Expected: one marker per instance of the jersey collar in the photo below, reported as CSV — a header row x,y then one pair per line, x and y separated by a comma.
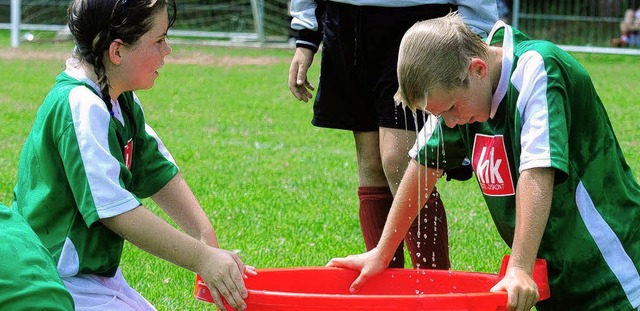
x,y
75,70
507,62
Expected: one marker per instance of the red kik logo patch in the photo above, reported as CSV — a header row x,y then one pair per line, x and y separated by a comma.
x,y
492,166
128,153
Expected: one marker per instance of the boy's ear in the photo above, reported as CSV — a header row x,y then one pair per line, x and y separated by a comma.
x,y
478,68
116,51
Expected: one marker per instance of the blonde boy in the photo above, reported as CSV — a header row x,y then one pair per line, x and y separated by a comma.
x,y
545,155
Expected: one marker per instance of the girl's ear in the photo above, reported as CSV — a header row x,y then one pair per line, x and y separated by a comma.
x,y
116,51
478,68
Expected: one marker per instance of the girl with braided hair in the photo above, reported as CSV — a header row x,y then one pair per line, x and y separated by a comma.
x,y
90,158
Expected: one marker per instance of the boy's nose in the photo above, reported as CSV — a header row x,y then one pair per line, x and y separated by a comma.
x,y
450,121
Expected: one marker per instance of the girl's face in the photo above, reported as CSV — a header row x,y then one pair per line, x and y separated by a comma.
x,y
141,61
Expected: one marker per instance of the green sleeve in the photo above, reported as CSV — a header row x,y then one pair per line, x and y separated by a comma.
x,y
445,148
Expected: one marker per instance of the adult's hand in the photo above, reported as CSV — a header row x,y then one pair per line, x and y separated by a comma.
x,y
298,82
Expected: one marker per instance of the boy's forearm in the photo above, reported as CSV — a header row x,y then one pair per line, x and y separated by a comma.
x,y
533,204
414,189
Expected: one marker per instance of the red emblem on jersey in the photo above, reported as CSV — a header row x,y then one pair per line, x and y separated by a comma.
x,y
491,165
128,153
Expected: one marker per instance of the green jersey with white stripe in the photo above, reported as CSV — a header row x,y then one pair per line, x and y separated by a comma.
x,y
81,163
546,114
28,277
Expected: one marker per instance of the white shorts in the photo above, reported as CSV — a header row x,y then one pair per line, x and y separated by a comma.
x,y
93,292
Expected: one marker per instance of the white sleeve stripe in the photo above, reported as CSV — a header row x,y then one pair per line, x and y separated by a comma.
x,y
161,147
307,43
530,79
424,135
117,208
91,123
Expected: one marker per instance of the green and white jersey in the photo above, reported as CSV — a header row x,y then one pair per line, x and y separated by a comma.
x,y
546,113
80,164
28,277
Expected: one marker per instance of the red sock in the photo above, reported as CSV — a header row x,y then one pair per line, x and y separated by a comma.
x,y
375,203
430,250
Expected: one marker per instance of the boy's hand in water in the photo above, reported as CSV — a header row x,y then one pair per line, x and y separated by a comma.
x,y
369,264
522,290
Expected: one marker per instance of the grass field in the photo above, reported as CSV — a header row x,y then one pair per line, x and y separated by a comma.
x,y
279,191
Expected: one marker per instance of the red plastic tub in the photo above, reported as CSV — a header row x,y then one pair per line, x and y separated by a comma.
x,y
324,289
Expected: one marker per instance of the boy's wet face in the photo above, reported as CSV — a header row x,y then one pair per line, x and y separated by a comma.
x,y
460,106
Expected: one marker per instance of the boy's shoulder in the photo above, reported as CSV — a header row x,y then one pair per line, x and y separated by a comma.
x,y
541,46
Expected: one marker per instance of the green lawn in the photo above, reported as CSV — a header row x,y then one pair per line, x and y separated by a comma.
x,y
279,191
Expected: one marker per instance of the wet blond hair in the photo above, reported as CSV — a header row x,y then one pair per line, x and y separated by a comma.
x,y
435,54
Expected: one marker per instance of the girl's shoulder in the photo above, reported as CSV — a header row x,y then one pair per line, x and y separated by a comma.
x,y
74,98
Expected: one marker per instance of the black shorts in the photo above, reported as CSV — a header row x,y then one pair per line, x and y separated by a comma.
x,y
358,69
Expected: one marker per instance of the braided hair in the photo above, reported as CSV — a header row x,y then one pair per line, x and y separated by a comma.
x,y
94,24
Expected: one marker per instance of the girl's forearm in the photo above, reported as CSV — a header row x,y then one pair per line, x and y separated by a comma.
x,y
152,234
178,201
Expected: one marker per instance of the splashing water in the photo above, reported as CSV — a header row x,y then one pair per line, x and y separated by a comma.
x,y
440,158
415,121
